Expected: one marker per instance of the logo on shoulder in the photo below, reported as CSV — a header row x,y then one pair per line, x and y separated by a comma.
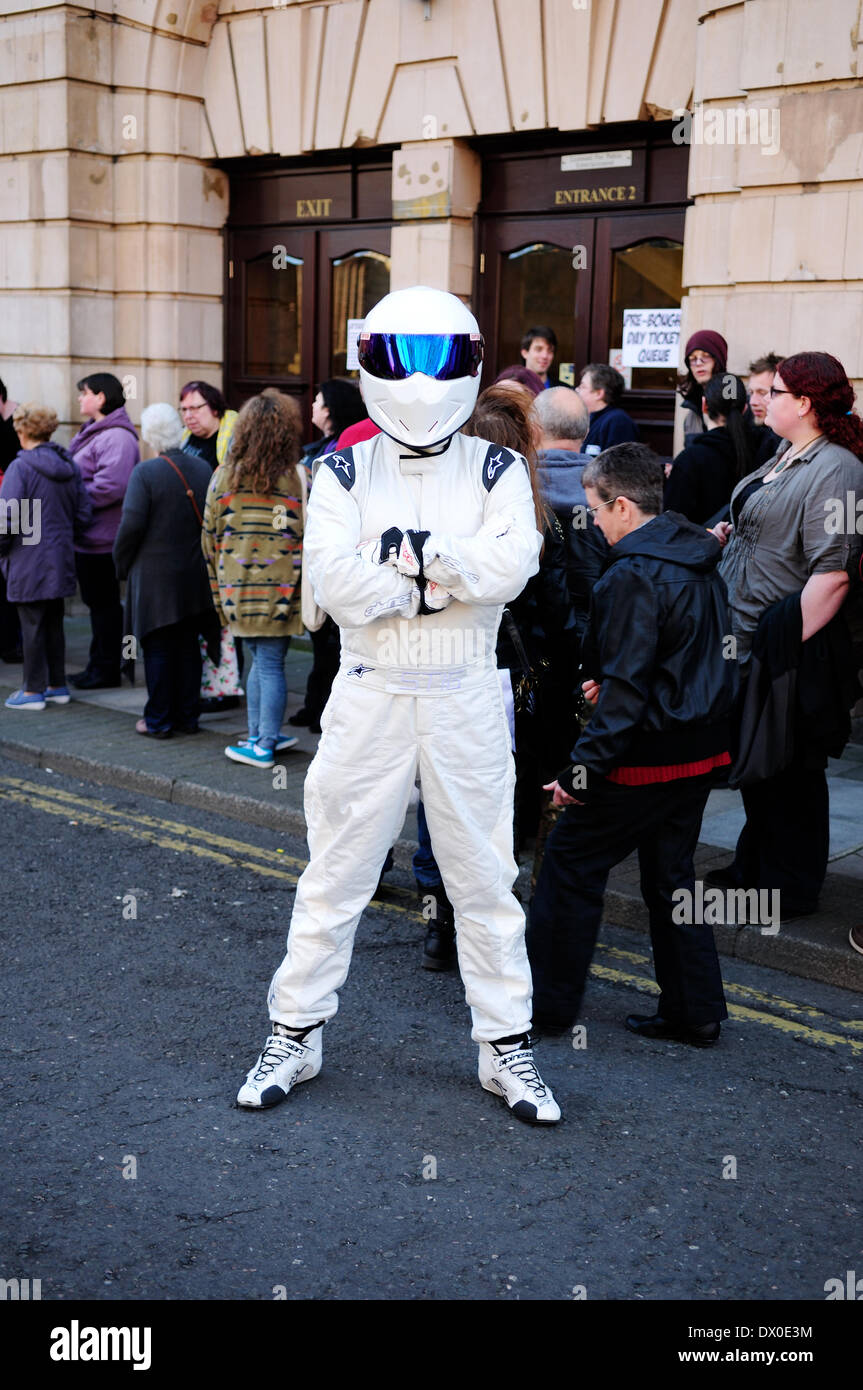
x,y
342,464
497,461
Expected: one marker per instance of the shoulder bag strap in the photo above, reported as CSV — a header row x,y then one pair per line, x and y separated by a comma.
x,y
189,493
515,636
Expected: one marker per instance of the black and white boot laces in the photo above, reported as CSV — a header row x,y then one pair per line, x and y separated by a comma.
x,y
522,1065
274,1054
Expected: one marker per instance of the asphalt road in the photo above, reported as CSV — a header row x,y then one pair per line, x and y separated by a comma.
x,y
139,940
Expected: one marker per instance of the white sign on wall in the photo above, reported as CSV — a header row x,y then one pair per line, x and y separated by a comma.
x,y
598,159
651,337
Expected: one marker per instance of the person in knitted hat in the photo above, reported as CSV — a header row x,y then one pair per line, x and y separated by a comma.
x,y
706,355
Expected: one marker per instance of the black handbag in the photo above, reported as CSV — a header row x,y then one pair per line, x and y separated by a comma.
x,y
527,682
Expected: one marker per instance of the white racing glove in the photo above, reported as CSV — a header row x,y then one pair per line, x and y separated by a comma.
x,y
384,551
404,550
434,598
410,558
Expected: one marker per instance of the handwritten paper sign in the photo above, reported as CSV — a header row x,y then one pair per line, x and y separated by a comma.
x,y
651,337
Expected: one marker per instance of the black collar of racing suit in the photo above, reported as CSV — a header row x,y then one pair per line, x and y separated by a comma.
x,y
421,453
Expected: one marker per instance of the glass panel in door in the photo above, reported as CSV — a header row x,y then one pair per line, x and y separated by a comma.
x,y
273,315
648,275
537,287
359,281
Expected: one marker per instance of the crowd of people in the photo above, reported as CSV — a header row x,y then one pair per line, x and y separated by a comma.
x,y
691,622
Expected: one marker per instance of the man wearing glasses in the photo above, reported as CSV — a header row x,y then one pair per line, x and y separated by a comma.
x,y
662,698
761,374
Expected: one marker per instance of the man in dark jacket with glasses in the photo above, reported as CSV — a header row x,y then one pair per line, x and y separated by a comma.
x,y
663,693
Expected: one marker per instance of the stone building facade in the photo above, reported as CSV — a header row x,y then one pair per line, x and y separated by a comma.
x,y
133,131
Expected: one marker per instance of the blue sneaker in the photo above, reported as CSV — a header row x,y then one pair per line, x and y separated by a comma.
x,y
251,754
21,700
283,742
57,695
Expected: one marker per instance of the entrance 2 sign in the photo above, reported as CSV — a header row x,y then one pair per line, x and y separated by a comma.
x,y
651,337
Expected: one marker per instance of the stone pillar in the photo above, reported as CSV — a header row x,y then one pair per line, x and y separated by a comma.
x,y
773,254
436,191
110,219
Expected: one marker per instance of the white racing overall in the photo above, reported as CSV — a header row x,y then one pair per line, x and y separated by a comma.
x,y
416,698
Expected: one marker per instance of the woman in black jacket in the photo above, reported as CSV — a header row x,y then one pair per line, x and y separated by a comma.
x,y
158,551
706,472
538,630
337,406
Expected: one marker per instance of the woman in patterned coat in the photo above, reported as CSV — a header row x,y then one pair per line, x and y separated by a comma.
x,y
252,541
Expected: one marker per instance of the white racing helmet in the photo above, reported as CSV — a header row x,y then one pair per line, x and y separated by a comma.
x,y
420,353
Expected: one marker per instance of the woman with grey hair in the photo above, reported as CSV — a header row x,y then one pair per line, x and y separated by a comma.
x,y
158,552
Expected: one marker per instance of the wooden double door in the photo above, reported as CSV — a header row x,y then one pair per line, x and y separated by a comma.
x,y
576,274
292,291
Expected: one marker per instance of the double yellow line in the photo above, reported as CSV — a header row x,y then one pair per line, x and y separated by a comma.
x,y
169,834
800,1021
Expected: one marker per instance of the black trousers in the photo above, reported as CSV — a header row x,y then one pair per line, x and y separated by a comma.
x,y
43,644
662,822
785,842
100,590
326,647
10,626
172,666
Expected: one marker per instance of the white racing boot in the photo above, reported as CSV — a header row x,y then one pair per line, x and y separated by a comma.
x,y
508,1070
284,1062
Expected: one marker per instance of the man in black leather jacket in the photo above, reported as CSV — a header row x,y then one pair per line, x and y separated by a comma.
x,y
663,693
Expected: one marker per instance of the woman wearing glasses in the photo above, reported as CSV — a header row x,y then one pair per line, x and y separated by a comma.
x,y
208,424
791,558
706,356
208,428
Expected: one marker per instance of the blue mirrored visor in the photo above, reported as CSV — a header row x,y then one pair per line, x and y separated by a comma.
x,y
444,356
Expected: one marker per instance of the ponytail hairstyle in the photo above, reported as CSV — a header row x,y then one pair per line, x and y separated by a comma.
x,y
823,379
726,399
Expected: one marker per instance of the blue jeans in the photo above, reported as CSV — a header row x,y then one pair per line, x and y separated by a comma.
x,y
426,871
266,688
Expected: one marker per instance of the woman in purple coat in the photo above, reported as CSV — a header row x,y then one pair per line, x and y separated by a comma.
x,y
106,450
43,507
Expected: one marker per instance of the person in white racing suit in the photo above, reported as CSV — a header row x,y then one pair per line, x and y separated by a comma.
x,y
414,541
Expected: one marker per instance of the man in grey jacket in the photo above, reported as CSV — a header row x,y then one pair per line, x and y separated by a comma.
x,y
564,422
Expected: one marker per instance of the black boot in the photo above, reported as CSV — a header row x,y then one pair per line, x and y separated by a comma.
x,y
439,951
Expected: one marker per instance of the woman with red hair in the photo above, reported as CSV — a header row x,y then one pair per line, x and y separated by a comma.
x,y
793,555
